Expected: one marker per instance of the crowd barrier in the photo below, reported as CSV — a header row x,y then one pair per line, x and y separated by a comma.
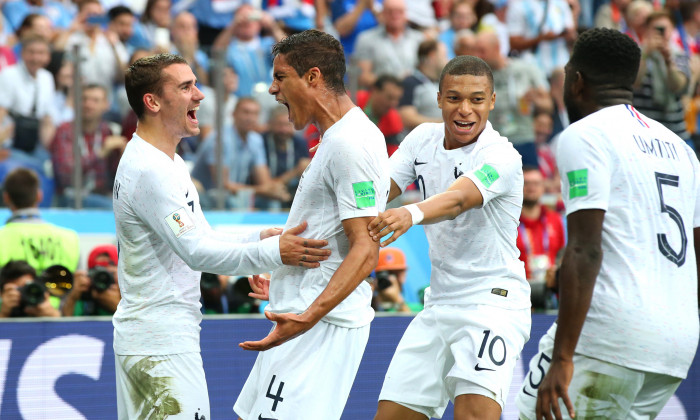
x,y
62,369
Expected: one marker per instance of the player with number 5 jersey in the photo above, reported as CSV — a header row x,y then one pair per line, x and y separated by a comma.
x,y
627,330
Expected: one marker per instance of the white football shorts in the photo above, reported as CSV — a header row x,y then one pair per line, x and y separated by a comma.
x,y
309,377
599,389
450,350
170,386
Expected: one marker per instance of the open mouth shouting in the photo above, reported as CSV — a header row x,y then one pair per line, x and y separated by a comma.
x,y
192,115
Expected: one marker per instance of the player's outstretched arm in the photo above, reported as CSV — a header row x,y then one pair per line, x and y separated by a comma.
x,y
359,263
460,197
577,277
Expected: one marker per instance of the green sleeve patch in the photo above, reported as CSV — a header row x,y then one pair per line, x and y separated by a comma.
x,y
487,175
364,194
578,183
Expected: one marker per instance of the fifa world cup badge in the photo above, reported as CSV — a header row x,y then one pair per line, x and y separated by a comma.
x,y
176,217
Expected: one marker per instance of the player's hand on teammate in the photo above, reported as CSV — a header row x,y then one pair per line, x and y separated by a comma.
x,y
260,286
288,327
554,386
397,220
270,232
302,252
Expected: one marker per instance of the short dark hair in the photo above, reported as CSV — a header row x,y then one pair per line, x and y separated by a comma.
x,y
425,48
144,76
34,39
387,78
313,48
244,100
91,86
530,168
687,9
117,11
467,65
15,269
22,187
659,14
606,56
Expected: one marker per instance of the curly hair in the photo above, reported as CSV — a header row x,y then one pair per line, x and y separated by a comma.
x,y
606,56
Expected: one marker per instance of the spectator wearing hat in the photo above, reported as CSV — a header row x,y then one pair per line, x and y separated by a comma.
x,y
390,277
95,292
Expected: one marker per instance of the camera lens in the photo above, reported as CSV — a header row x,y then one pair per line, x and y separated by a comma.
x,y
101,278
32,294
383,281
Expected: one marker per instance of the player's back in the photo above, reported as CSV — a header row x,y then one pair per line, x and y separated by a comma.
x,y
644,309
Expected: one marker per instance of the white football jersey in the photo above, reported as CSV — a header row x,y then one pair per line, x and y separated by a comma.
x,y
163,238
347,178
474,258
644,312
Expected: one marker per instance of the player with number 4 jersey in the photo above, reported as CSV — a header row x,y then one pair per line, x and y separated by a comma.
x,y
627,330
463,347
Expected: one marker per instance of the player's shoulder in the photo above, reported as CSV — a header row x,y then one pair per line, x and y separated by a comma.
x,y
426,133
494,146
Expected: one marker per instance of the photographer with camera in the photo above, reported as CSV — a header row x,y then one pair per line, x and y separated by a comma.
x,y
223,295
390,275
663,77
21,294
95,292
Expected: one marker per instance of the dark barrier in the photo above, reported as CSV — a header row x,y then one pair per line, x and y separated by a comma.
x,y
65,370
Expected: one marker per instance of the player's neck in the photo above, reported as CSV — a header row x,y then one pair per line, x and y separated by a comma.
x,y
157,137
330,109
608,96
531,212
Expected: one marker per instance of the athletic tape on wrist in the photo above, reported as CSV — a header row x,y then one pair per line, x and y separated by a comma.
x,y
416,213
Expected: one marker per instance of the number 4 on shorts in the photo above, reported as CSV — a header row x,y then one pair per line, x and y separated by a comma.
x,y
277,398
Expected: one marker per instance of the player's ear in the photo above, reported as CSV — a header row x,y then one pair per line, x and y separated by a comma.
x,y
151,102
578,84
439,99
313,75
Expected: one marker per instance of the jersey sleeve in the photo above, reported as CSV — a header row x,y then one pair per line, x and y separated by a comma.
x,y
585,170
498,173
164,210
356,180
403,170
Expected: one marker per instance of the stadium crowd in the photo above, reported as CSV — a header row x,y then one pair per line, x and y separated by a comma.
x,y
395,51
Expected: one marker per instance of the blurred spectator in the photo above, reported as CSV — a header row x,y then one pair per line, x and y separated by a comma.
x,y
380,104
389,48
245,169
539,31
8,56
293,15
542,124
207,113
21,294
28,97
287,156
541,230
351,18
15,12
120,29
103,56
152,31
496,22
220,295
560,116
612,15
636,18
25,235
419,101
421,15
95,292
183,32
520,89
390,276
211,17
686,35
465,42
62,110
100,151
663,76
462,16
246,50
